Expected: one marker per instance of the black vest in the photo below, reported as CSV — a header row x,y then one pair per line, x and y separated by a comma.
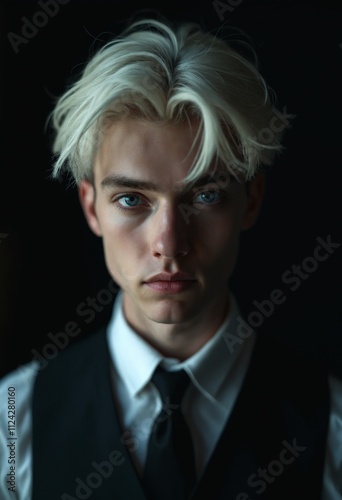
x,y
272,447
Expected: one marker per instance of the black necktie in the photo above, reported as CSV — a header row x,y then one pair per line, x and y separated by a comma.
x,y
169,472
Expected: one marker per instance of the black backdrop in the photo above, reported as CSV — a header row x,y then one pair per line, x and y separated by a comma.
x,y
49,260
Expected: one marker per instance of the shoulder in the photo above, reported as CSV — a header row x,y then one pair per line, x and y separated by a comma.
x,y
77,353
16,389
72,368
18,385
65,362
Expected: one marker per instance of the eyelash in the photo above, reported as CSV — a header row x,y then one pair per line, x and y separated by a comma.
x,y
222,195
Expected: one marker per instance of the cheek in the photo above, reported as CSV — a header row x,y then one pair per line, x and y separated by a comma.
x,y
123,247
218,248
217,236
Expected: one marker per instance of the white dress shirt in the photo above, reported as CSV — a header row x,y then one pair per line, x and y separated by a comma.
x,y
207,403
217,374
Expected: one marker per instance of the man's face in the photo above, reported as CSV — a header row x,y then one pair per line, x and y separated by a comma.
x,y
151,223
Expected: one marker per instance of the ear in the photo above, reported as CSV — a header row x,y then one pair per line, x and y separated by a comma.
x,y
255,196
86,194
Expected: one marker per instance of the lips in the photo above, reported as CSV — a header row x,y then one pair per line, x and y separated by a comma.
x,y
170,277
171,283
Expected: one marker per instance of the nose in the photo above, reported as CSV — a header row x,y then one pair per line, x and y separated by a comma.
x,y
169,232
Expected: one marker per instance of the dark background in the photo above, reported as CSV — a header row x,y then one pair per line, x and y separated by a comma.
x,y
50,262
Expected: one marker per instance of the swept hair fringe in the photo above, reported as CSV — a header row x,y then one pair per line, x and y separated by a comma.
x,y
163,73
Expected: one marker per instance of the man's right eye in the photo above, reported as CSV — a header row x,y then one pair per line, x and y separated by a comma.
x,y
129,201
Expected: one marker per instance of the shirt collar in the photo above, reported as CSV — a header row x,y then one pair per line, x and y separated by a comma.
x,y
210,366
135,359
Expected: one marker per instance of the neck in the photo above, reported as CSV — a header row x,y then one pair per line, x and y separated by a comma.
x,y
180,340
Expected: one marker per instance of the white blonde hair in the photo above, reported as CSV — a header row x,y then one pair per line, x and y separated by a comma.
x,y
168,74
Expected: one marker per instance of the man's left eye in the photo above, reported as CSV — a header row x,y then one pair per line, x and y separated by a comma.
x,y
208,197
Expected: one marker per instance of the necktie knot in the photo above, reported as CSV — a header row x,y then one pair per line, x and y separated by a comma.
x,y
171,385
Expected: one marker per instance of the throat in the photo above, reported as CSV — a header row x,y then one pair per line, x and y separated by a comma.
x,y
180,340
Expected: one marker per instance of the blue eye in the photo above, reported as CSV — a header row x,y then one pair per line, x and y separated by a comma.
x,y
208,197
130,201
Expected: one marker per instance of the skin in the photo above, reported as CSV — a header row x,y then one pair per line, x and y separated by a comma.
x,y
146,231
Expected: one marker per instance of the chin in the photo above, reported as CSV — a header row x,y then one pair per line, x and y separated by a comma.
x,y
171,312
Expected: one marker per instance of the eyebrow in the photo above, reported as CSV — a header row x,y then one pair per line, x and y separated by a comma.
x,y
123,181
116,180
209,179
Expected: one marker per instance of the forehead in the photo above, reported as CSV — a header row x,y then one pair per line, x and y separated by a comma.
x,y
140,149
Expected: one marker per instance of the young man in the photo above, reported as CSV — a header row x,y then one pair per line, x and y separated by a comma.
x,y
178,397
